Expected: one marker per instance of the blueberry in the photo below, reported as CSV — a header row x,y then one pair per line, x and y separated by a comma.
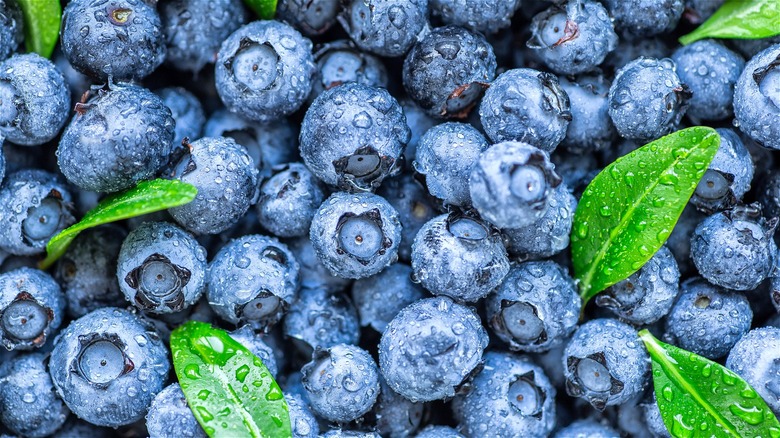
x,y
647,100
755,358
728,176
648,294
756,101
590,128
161,268
750,48
264,70
108,355
511,184
447,71
34,206
395,415
342,433
288,200
314,275
679,242
387,27
121,40
121,136
255,343
459,256
445,155
11,28
486,16
708,320
253,279
194,29
224,175
735,249
340,61
643,18
768,193
434,431
419,123
573,37
711,71
353,135
169,416
511,396
28,405
303,422
34,99
698,11
355,235
310,17
321,319
414,207
605,363
186,111
535,308
526,105
576,170
586,429
77,82
630,49
431,349
87,270
77,428
2,160
653,419
380,297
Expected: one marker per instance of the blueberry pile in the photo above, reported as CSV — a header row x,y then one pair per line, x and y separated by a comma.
x,y
386,190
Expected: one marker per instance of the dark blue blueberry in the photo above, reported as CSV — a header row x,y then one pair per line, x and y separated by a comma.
x,y
314,275
321,319
750,48
310,17
186,110
728,176
653,419
769,194
343,433
170,416
395,415
385,27
756,100
679,242
628,50
77,82
434,431
288,200
414,207
698,11
644,18
590,128
588,428
78,428
11,28
419,123
576,170
340,61
380,297
255,343
756,358
303,422
487,16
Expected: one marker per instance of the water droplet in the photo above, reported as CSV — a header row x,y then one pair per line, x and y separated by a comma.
x,y
242,372
192,371
752,415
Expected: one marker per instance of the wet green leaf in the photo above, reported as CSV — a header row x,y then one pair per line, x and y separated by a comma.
x,y
698,397
265,9
41,25
230,391
628,211
146,197
739,19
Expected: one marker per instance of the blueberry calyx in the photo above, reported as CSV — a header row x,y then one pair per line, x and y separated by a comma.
x,y
598,394
526,397
101,359
363,170
22,314
158,281
361,236
520,321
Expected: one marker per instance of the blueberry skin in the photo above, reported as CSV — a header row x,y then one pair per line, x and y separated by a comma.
x,y
734,249
34,99
647,100
119,137
486,16
445,155
352,136
395,415
28,405
253,279
755,358
11,28
387,27
447,71
511,184
708,320
288,200
606,348
77,428
344,223
511,396
303,422
136,369
434,431
341,382
574,37
314,274
549,234
535,308
169,415
310,18
431,348
87,270
194,30
264,70
641,18
711,71
459,256
653,419
161,268
186,111
342,433
648,294
728,176
225,175
122,40
414,207
628,50
321,319
419,123
586,429
340,61
756,104
590,128
254,342
380,297
526,105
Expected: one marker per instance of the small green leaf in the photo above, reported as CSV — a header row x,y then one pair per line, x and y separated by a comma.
x,y
265,9
628,211
41,25
698,397
230,391
740,19
146,197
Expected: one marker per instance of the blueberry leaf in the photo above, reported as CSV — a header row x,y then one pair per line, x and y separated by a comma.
x,y
628,211
146,197
265,9
41,25
698,397
739,19
230,391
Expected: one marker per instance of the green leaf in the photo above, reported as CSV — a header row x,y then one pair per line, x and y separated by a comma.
x,y
698,397
146,197
740,19
230,391
628,211
41,25
265,9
